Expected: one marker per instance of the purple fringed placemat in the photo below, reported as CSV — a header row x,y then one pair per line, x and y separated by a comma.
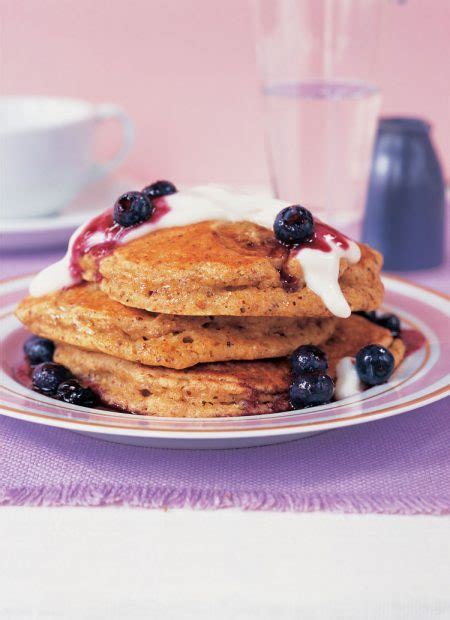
x,y
399,465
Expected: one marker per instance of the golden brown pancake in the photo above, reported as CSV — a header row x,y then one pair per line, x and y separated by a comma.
x,y
211,390
86,317
216,268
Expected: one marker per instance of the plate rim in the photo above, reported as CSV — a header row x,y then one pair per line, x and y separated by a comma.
x,y
12,284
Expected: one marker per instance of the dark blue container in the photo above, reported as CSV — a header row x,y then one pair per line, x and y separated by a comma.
x,y
404,217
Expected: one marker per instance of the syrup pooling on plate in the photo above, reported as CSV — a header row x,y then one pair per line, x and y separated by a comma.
x,y
319,258
413,340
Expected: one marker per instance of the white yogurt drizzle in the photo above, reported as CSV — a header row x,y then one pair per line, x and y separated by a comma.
x,y
347,380
215,202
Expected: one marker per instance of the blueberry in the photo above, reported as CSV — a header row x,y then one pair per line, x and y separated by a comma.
x,y
391,322
370,316
388,321
308,358
132,208
38,350
374,364
75,394
310,390
46,377
293,225
159,188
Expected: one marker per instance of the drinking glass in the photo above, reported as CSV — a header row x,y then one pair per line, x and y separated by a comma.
x,y
321,100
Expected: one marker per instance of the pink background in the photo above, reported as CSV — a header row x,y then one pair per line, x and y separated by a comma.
x,y
186,73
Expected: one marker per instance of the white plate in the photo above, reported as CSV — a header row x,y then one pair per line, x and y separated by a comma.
x,y
422,378
50,231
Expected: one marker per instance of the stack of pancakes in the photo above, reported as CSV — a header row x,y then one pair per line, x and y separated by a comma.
x,y
199,320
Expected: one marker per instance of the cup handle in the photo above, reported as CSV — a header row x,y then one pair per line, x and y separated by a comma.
x,y
105,112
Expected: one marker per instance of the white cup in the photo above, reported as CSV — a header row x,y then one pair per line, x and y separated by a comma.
x,y
46,151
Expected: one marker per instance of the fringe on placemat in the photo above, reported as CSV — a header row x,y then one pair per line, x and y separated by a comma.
x,y
169,498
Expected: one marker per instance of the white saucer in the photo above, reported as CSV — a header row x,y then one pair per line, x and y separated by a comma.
x,y
50,231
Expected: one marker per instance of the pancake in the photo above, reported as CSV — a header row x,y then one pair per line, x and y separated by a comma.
x,y
86,317
217,268
211,390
